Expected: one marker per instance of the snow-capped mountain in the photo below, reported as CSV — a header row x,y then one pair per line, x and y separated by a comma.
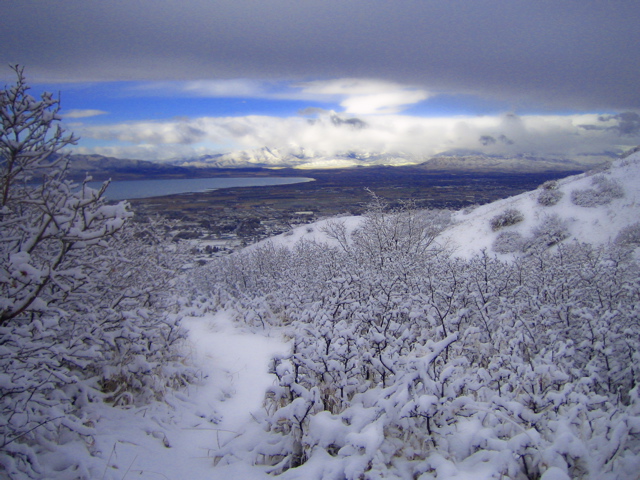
x,y
299,157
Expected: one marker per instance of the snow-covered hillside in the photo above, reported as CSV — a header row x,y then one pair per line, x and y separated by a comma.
x,y
598,223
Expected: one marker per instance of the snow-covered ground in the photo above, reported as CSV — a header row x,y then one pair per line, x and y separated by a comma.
x,y
178,441
597,225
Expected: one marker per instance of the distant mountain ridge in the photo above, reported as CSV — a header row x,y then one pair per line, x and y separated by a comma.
x,y
102,167
303,158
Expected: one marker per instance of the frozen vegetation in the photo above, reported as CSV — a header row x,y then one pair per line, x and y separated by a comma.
x,y
501,342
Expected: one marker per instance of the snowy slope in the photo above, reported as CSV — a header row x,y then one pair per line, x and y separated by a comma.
x,y
472,232
596,225
527,338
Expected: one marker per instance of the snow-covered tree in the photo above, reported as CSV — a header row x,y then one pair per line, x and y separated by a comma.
x,y
45,220
85,310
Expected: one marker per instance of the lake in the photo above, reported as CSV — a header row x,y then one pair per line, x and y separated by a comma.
x,y
129,189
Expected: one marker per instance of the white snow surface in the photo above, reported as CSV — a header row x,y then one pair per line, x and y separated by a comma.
x,y
178,441
595,225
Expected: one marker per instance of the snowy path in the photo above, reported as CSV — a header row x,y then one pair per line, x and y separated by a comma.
x,y
235,365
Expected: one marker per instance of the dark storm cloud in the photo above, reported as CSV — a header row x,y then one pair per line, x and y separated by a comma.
x,y
487,140
571,54
351,122
624,124
628,123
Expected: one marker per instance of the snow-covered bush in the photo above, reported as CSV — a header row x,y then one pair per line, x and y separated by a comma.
x,y
629,235
406,232
550,197
510,216
549,185
470,208
508,242
604,192
549,232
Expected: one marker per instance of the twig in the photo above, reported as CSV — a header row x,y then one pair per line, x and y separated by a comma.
x,y
30,430
130,465
109,461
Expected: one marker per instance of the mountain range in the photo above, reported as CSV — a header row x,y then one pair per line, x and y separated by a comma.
x,y
101,167
456,159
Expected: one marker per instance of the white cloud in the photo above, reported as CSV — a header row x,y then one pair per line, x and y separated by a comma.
x,y
356,96
383,102
366,97
541,135
239,87
347,86
77,113
142,151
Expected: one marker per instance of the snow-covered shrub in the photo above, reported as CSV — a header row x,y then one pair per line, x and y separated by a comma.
x,y
604,192
548,198
551,231
115,338
470,208
510,216
435,364
405,233
549,185
629,235
508,242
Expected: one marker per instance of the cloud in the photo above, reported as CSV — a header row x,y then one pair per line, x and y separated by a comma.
x,y
509,134
366,97
220,88
626,123
352,122
156,133
77,113
487,140
355,95
149,152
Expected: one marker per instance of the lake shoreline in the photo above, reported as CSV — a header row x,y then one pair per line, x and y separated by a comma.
x,y
152,188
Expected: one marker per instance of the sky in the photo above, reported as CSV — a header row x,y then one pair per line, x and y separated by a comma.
x,y
164,79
